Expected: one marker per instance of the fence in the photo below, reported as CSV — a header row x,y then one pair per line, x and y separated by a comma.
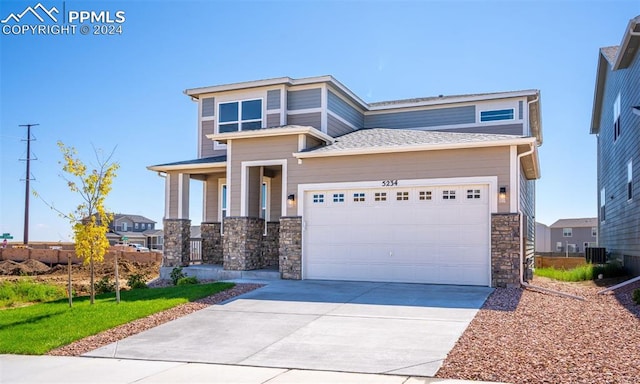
x,y
61,256
559,262
195,251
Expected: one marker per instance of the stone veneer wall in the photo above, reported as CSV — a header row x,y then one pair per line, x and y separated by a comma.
x,y
271,245
291,248
505,250
177,233
211,243
242,243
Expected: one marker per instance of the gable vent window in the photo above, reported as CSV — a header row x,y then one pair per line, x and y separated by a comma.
x,y
424,195
358,197
380,196
402,196
448,195
630,180
338,197
473,193
496,115
616,118
240,116
318,198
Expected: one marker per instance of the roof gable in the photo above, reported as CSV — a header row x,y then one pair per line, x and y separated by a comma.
x,y
587,222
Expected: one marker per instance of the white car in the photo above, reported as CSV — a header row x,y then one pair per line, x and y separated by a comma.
x,y
139,248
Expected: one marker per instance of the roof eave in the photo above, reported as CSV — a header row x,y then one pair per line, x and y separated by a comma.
x,y
270,132
456,99
628,46
601,73
413,148
185,167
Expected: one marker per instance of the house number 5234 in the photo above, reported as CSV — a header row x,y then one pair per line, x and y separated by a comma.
x,y
389,183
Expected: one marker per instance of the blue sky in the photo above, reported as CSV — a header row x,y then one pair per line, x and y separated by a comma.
x,y
125,91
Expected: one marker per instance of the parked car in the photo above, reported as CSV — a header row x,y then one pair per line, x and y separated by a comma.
x,y
139,248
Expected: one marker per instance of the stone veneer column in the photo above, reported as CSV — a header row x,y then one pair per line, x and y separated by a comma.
x,y
505,250
242,243
291,248
271,245
211,243
177,234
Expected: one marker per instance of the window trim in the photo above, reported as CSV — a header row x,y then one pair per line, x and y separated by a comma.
x,y
222,202
567,232
617,131
497,111
239,121
630,180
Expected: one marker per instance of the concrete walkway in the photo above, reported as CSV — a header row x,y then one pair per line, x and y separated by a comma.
x,y
53,369
358,327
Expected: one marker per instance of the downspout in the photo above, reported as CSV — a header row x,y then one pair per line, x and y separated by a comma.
x,y
522,282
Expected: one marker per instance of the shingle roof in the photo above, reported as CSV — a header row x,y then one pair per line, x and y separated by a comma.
x,y
203,160
610,53
134,218
383,137
439,97
576,223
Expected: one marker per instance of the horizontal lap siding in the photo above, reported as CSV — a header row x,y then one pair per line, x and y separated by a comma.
x,y
336,127
344,110
208,128
273,99
504,129
404,166
310,119
620,233
208,106
425,118
305,99
273,120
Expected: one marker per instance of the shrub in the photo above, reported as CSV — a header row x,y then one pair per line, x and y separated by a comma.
x,y
177,274
583,272
611,269
28,291
187,281
105,286
636,296
137,281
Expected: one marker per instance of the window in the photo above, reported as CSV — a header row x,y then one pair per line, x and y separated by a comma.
x,y
338,197
135,225
223,201
448,195
616,118
263,202
402,196
603,200
559,246
473,193
594,232
630,180
495,115
567,232
424,195
358,197
318,198
240,116
380,196
124,226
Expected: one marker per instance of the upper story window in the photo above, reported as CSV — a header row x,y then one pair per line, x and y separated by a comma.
x,y
567,232
630,180
616,118
496,115
240,116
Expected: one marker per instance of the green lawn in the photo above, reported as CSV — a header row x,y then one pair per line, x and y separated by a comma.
x,y
37,329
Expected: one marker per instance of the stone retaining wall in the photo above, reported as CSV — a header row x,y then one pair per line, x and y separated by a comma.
x,y
56,256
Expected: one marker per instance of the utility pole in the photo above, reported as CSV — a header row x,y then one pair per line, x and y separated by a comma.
x,y
27,179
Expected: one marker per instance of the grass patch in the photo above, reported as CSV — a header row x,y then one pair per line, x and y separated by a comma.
x,y
22,291
581,273
39,328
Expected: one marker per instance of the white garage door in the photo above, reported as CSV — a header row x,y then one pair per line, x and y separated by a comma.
x,y
437,235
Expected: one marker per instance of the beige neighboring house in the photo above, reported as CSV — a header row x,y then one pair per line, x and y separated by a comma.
x,y
304,176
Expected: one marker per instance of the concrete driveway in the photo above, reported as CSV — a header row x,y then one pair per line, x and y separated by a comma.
x,y
405,329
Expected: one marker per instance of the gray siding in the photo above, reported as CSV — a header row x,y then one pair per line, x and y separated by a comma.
x,y
273,120
336,127
520,112
579,236
620,232
208,127
208,106
311,119
505,129
344,110
528,209
308,98
273,99
425,118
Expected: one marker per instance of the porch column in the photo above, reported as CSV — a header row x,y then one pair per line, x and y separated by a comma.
x,y
242,243
290,244
177,226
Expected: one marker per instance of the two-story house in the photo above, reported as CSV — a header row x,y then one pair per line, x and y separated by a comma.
x,y
135,229
616,121
303,175
574,235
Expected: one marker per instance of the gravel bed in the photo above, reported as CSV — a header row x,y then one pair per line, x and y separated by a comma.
x,y
118,333
524,336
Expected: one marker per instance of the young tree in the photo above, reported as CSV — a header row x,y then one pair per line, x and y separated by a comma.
x,y
90,220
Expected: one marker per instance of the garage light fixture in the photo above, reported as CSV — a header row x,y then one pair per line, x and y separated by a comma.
x,y
502,195
291,200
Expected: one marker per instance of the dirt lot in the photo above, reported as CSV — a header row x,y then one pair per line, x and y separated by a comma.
x,y
80,275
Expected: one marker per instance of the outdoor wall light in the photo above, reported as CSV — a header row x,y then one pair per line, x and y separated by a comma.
x,y
502,195
291,200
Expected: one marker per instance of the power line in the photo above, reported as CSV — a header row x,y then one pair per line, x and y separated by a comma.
x,y
27,179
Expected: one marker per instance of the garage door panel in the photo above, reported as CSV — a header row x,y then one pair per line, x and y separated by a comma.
x,y
413,240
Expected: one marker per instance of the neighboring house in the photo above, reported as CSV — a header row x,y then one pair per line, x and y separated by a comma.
x,y
574,235
135,229
616,121
304,176
543,238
